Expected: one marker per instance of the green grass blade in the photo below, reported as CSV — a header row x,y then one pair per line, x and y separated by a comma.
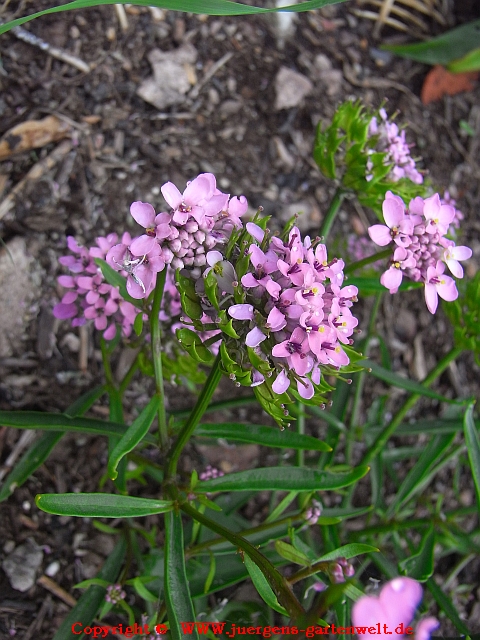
x,y
282,479
262,435
420,565
209,7
62,422
403,383
414,479
39,451
36,455
177,592
88,604
100,505
447,606
473,448
132,436
443,49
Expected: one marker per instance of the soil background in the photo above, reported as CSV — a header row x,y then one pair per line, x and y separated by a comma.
x,y
121,148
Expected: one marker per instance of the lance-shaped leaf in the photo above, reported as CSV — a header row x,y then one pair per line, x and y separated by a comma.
x,y
262,586
61,422
420,566
348,551
177,592
132,436
209,7
473,448
100,505
39,451
262,435
282,479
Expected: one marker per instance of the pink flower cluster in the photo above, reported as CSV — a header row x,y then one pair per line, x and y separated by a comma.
x,y
200,218
392,141
392,612
421,248
88,296
296,308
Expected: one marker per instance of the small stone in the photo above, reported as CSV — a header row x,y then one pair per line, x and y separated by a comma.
x,y
322,62
22,564
52,569
16,293
291,88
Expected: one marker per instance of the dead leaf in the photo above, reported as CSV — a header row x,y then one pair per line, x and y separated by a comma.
x,y
440,82
32,134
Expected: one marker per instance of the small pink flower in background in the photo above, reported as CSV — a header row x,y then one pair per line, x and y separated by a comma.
x,y
422,249
115,593
395,606
210,473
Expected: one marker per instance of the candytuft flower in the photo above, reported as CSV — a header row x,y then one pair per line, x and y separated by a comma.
x,y
421,249
395,606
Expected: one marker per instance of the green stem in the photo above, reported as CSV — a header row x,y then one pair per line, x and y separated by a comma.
x,y
332,212
128,376
309,571
277,582
194,418
156,337
380,255
289,520
383,436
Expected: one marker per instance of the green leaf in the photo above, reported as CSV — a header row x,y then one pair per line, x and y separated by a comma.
x,y
87,583
177,592
208,7
138,324
414,480
36,455
396,380
260,434
100,505
143,592
443,49
291,554
282,479
473,448
470,62
193,344
447,606
211,574
420,565
349,551
114,278
61,422
88,604
261,585
39,451
132,436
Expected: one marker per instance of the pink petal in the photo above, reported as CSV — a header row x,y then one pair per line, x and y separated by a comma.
x,y
171,194
282,383
64,311
238,206
447,289
198,189
431,297
143,213
142,245
255,231
393,210
254,337
241,312
425,628
392,279
305,388
380,234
